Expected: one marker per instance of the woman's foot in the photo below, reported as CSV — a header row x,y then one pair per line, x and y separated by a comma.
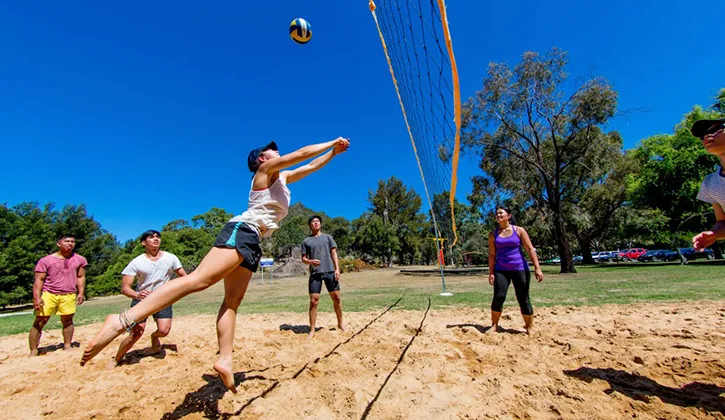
x,y
529,324
224,369
111,329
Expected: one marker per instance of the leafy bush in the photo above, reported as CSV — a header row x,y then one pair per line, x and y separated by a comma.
x,y
349,264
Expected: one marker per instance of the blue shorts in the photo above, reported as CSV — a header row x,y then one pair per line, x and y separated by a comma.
x,y
246,241
166,313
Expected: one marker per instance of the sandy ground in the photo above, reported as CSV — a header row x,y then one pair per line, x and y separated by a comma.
x,y
649,361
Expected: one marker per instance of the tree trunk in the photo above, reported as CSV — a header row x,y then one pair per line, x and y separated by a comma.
x,y
567,262
586,247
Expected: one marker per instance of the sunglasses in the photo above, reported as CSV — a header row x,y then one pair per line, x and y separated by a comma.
x,y
713,130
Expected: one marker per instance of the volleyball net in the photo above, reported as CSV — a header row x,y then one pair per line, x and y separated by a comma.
x,y
417,44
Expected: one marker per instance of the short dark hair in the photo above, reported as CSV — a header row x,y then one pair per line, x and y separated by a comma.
x,y
148,233
65,235
313,217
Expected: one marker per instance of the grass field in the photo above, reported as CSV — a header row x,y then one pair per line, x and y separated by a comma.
x,y
373,290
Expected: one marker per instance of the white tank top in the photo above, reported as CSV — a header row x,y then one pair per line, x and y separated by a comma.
x,y
266,207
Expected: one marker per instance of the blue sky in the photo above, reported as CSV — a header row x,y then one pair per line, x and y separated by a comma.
x,y
145,111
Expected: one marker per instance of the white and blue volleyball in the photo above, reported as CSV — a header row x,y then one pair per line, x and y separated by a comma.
x,y
300,31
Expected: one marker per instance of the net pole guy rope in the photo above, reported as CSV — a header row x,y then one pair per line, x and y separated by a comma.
x,y
412,140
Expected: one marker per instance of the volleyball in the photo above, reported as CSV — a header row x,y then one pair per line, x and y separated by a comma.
x,y
300,31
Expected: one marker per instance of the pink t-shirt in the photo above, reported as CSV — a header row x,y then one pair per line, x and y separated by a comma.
x,y
61,274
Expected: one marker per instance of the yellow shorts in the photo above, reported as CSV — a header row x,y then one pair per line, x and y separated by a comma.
x,y
60,304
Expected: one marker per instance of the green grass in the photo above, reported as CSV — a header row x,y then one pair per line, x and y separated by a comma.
x,y
376,290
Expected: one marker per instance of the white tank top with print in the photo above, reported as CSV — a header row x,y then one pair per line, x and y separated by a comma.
x,y
266,207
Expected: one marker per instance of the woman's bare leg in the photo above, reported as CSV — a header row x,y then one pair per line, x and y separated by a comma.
x,y
216,264
235,285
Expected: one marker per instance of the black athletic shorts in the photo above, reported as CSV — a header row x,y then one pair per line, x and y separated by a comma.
x,y
316,280
166,313
241,236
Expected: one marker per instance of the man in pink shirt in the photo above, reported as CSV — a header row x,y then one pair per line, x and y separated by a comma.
x,y
60,281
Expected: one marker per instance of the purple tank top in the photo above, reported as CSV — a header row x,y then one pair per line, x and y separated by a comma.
x,y
509,256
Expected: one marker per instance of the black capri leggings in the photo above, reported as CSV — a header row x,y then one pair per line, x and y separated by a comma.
x,y
521,280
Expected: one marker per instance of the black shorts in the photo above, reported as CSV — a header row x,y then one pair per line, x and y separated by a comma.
x,y
166,313
241,236
316,280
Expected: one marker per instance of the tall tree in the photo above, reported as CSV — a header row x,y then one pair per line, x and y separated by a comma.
x,y
595,215
374,239
536,141
189,244
27,233
398,207
642,227
175,225
341,230
213,220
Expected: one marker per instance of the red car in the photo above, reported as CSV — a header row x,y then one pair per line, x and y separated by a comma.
x,y
634,253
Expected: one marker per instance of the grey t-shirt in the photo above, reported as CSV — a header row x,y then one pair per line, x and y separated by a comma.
x,y
318,248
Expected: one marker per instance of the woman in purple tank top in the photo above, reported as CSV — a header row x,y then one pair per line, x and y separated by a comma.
x,y
507,265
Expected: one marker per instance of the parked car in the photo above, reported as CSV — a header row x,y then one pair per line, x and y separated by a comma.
x,y
595,256
623,255
634,253
693,254
603,256
615,256
578,259
659,255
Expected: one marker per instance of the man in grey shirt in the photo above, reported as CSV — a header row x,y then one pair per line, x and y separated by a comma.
x,y
319,251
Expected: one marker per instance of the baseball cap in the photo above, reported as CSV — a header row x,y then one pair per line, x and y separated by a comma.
x,y
700,128
252,161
